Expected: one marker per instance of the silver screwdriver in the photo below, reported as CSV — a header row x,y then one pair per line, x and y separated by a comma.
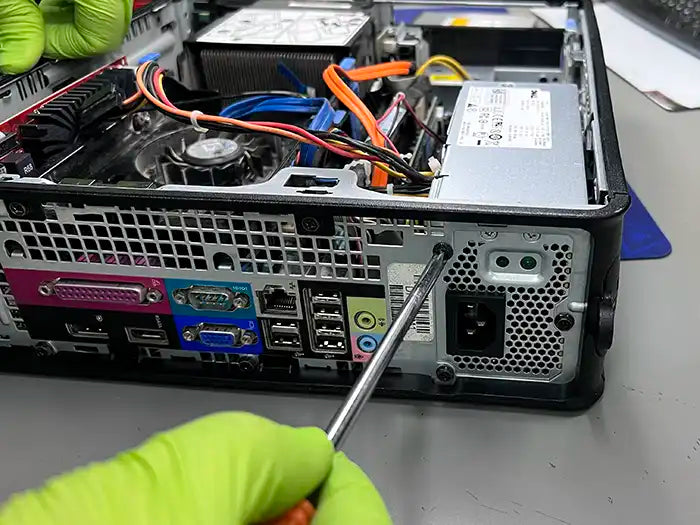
x,y
344,419
342,422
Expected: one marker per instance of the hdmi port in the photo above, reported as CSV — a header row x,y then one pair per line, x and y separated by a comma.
x,y
146,335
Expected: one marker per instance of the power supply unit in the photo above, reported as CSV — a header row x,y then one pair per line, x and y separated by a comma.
x,y
269,241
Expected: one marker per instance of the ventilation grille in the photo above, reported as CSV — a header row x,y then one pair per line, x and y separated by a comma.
x,y
198,240
234,70
138,27
31,84
533,345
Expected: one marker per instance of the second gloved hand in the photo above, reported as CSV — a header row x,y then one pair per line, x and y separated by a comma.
x,y
224,469
59,29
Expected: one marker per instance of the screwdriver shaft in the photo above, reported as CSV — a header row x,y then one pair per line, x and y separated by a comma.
x,y
349,411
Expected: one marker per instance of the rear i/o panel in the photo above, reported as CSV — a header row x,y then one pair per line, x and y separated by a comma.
x,y
136,243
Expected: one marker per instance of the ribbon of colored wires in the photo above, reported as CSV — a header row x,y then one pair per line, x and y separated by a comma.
x,y
397,100
149,78
276,128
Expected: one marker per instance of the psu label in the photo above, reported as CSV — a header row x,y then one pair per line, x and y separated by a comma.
x,y
507,117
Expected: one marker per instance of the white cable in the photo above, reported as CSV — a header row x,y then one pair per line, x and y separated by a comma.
x,y
195,124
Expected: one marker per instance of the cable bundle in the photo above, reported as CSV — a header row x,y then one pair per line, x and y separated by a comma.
x,y
149,79
387,162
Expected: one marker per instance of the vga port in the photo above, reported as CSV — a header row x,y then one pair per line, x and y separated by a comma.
x,y
216,298
100,292
220,335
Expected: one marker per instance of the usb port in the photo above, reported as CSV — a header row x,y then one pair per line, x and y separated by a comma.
x,y
282,335
284,328
146,335
329,328
330,345
326,298
327,313
285,342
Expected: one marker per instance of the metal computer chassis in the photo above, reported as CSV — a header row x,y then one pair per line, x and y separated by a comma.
x,y
326,267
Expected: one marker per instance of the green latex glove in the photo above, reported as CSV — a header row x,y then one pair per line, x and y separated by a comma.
x,y
59,29
228,468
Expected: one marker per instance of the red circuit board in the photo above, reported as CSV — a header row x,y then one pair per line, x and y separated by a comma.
x,y
12,124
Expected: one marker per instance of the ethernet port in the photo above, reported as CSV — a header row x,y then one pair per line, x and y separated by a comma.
x,y
274,299
475,324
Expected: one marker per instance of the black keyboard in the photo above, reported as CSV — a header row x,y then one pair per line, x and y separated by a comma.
x,y
676,20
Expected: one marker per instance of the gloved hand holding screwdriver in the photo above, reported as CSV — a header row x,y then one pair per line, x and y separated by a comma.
x,y
228,468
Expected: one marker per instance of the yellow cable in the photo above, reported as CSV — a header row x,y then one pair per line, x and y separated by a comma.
x,y
447,62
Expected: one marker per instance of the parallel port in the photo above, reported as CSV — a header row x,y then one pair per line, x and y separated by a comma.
x,y
100,292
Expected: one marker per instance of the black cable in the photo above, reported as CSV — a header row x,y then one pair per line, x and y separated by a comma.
x,y
390,158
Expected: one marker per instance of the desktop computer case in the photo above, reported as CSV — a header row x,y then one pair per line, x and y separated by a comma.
x,y
328,233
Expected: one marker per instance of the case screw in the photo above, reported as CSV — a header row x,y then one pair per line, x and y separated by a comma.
x,y
153,296
310,224
248,363
241,301
249,338
17,209
44,348
564,322
189,335
531,236
489,236
445,373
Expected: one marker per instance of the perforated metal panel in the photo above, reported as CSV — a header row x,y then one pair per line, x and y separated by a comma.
x,y
204,240
533,346
264,249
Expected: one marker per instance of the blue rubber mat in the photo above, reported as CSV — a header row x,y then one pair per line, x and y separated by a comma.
x,y
641,236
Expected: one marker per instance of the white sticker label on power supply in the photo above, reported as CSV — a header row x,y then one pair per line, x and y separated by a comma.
x,y
507,117
402,279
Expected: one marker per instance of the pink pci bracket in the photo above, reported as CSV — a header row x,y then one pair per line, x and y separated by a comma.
x,y
82,290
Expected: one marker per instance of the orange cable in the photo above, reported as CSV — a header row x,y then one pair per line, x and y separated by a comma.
x,y
402,67
346,96
212,118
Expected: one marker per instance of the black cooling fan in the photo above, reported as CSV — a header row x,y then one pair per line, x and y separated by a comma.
x,y
209,159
